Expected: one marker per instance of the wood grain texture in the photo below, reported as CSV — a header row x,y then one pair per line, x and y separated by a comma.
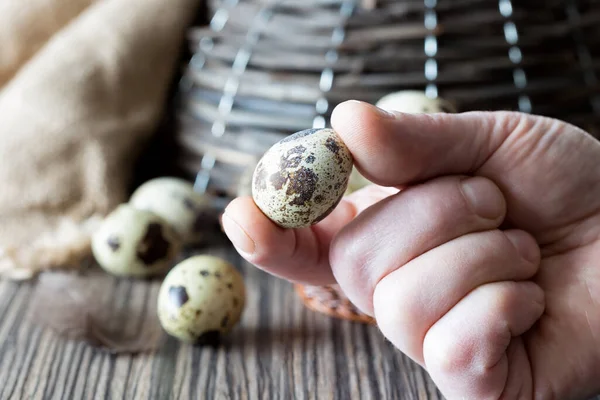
x,y
281,350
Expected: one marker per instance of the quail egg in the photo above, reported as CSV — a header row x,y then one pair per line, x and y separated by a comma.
x,y
415,102
175,200
133,242
201,299
301,179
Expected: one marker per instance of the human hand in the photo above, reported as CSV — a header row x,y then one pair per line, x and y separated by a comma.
x,y
478,254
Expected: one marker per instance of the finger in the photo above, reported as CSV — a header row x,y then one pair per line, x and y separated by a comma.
x,y
392,148
465,352
394,231
298,255
411,299
517,151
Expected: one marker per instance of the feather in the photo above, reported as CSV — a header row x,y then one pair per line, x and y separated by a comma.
x,y
117,315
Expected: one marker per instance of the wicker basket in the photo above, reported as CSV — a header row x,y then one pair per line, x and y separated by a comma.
x,y
264,69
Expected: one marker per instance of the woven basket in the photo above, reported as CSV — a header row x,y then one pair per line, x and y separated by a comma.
x,y
264,69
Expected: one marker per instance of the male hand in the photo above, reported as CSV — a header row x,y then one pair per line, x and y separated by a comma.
x,y
478,251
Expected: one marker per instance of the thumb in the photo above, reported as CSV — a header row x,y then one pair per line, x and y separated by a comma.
x,y
393,148
525,155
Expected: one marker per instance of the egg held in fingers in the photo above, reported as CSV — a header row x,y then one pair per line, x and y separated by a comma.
x,y
301,179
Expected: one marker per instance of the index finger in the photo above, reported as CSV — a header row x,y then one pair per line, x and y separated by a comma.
x,y
297,255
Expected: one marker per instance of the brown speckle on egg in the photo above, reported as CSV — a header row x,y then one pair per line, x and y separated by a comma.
x,y
303,184
293,158
332,145
299,135
153,246
260,178
224,321
210,338
178,296
189,204
114,243
278,179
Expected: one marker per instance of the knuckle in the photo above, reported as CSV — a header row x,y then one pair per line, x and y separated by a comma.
x,y
399,319
502,297
439,204
346,254
492,246
349,260
507,121
526,267
446,354
393,306
498,246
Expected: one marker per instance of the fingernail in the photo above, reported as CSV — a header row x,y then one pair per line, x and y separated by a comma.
x,y
525,244
378,110
485,198
384,113
238,237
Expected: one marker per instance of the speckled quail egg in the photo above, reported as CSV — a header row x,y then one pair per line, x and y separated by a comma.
x,y
302,178
176,201
415,102
201,299
133,242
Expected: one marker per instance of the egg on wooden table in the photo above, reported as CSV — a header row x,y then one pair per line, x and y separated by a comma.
x,y
201,299
175,200
301,179
135,243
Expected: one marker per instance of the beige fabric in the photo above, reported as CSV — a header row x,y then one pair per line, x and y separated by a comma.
x,y
74,118
26,25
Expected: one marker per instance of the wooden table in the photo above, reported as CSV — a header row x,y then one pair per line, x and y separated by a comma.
x,y
281,350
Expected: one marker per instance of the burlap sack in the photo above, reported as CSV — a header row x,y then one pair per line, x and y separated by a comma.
x,y
25,26
79,103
